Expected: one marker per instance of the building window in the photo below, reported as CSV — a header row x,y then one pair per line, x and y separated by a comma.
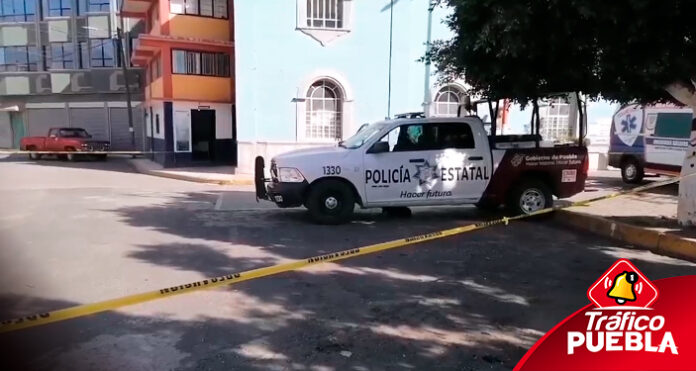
x,y
324,107
200,63
59,56
19,58
203,8
182,132
93,6
17,10
157,124
57,8
447,101
325,13
101,53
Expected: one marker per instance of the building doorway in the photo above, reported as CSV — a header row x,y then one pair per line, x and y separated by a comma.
x,y
203,135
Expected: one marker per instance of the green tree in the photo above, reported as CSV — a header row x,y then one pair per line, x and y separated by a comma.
x,y
622,50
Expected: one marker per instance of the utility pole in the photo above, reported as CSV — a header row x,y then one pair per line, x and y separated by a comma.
x,y
122,53
426,94
391,36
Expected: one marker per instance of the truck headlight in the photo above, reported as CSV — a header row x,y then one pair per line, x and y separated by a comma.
x,y
290,175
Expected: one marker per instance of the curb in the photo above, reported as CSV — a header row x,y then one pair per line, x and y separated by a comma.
x,y
658,242
190,178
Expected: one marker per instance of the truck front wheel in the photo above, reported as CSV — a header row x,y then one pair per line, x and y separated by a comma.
x,y
530,196
33,156
631,171
330,202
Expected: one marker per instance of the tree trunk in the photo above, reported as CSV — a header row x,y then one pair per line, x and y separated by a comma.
x,y
686,209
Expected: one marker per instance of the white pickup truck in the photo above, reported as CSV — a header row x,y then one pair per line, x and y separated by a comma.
x,y
422,162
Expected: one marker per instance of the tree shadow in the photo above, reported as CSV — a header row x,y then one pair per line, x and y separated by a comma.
x,y
473,301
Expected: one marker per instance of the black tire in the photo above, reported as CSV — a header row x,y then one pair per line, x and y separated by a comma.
x,y
71,156
528,196
330,192
631,171
33,156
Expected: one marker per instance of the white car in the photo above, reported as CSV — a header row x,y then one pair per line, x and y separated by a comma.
x,y
422,162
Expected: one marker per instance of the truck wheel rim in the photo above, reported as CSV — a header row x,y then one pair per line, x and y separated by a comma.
x,y
331,202
630,171
532,200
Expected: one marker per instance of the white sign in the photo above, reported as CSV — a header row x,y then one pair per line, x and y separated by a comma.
x,y
569,175
628,124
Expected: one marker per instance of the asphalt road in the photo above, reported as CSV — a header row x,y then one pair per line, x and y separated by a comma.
x,y
73,233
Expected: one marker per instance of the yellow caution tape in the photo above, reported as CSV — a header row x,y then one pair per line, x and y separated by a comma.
x,y
87,309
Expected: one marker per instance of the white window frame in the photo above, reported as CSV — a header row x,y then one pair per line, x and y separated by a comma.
x,y
447,89
338,99
187,114
348,126
322,34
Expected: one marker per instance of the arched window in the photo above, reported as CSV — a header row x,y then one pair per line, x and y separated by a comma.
x,y
447,101
324,107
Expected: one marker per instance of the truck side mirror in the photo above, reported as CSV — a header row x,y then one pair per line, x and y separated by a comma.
x,y
379,147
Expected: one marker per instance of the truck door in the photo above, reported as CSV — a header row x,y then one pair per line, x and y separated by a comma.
x,y
53,141
399,174
464,164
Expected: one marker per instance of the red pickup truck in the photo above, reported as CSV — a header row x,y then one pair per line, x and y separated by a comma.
x,y
65,140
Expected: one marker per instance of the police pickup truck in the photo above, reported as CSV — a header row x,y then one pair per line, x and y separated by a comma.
x,y
423,162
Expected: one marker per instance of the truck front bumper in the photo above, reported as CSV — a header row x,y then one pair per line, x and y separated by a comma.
x,y
282,193
287,194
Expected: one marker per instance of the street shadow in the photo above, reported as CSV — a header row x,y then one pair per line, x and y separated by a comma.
x,y
470,302
473,301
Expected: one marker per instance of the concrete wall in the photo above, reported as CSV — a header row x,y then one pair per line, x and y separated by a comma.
x,y
275,61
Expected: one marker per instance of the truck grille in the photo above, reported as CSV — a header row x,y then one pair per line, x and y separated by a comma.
x,y
90,147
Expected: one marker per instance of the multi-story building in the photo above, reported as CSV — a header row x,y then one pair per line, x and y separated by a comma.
x,y
60,66
311,72
187,49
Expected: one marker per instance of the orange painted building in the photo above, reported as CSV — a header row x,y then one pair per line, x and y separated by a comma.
x,y
187,51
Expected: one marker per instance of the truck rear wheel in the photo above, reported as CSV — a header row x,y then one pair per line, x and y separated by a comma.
x,y
631,171
529,196
330,202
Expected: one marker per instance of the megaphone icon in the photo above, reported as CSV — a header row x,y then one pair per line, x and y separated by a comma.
x,y
622,289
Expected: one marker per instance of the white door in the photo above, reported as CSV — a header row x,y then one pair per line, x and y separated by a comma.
x,y
464,163
405,173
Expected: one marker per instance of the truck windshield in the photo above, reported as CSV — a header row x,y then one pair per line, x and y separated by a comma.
x,y
357,140
74,133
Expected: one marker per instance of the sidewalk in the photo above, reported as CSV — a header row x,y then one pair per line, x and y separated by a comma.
x,y
646,220
222,175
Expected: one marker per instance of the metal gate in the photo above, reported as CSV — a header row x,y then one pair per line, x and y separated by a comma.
x,y
39,120
93,120
120,133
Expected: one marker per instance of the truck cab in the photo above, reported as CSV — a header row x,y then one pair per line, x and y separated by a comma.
x,y
420,162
